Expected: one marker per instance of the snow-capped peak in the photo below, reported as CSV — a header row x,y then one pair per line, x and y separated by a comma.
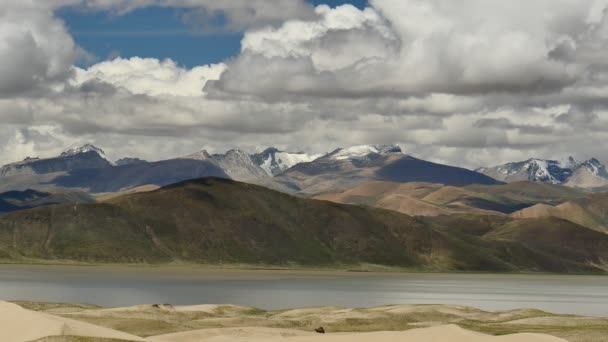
x,y
83,149
364,150
274,161
86,148
355,152
539,169
546,171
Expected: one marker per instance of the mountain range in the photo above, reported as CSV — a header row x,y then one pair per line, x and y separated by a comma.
x,y
369,204
88,169
349,167
590,174
215,220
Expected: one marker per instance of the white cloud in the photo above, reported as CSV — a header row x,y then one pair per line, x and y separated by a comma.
x,y
35,49
470,83
150,76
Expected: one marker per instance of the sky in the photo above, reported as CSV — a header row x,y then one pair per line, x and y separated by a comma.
x,y
469,83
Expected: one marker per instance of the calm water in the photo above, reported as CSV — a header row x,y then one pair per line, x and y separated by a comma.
x,y
583,295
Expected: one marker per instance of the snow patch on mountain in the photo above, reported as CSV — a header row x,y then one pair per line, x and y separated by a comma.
x,y
365,150
275,162
86,148
354,152
285,160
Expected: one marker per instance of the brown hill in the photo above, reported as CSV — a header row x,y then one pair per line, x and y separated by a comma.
x,y
554,236
424,199
590,211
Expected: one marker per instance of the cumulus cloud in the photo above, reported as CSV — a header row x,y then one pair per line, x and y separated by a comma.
x,y
468,83
35,49
150,76
413,47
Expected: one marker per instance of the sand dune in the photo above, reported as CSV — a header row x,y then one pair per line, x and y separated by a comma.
x,y
20,325
223,323
446,333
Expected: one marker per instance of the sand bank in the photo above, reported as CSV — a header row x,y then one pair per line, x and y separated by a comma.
x,y
223,323
446,333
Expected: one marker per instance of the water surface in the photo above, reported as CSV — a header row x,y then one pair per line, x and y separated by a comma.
x,y
114,286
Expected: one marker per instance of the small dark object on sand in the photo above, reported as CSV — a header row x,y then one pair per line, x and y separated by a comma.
x,y
320,330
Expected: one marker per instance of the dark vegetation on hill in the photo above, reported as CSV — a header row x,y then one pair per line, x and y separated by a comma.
x,y
215,220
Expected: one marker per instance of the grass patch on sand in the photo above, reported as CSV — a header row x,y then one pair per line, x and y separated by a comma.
x,y
151,320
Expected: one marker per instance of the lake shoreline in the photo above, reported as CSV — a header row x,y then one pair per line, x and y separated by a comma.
x,y
345,269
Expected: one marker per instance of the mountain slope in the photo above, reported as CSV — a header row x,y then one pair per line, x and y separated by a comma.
x,y
531,244
426,199
64,163
19,200
223,221
216,220
347,168
555,236
120,178
239,166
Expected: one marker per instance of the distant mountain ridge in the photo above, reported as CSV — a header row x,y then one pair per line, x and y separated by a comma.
x,y
349,167
587,174
87,168
67,161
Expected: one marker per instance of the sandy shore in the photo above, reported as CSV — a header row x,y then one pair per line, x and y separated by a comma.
x,y
445,333
44,322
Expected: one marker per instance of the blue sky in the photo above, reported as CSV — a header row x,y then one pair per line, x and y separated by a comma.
x,y
156,32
